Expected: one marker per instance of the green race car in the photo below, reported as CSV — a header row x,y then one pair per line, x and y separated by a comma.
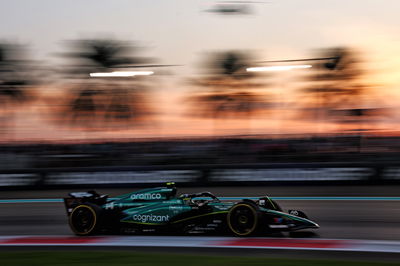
x,y
160,211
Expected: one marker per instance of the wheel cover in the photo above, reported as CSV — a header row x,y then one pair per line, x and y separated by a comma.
x,y
242,219
83,220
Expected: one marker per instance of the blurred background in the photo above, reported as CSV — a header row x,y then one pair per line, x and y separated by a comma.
x,y
194,84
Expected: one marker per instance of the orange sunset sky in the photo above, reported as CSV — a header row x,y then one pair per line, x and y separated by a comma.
x,y
180,32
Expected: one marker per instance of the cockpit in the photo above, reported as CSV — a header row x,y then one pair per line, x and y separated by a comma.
x,y
203,198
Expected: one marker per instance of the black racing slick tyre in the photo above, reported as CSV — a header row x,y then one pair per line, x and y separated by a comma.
x,y
243,219
84,219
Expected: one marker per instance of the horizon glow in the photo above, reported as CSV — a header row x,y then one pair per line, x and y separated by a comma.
x,y
277,68
121,74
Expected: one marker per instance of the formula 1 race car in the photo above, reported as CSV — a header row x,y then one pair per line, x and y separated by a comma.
x,y
158,210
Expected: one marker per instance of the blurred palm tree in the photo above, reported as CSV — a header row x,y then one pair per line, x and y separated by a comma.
x,y
104,103
228,89
92,55
16,81
335,84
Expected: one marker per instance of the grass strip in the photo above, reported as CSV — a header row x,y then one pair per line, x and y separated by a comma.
x,y
100,258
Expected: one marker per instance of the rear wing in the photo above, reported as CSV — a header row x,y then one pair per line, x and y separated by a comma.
x,y
78,198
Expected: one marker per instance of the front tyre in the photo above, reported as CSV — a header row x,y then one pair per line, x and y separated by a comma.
x,y
243,219
84,219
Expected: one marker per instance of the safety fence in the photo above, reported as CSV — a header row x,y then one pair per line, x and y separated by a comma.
x,y
200,175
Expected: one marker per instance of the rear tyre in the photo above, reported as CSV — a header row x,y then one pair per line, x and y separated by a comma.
x,y
243,219
84,219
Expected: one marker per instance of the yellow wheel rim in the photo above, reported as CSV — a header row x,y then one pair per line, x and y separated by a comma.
x,y
94,222
252,229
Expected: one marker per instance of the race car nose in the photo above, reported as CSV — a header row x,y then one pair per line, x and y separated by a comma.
x,y
312,224
315,225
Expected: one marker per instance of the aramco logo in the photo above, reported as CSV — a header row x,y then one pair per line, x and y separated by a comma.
x,y
146,196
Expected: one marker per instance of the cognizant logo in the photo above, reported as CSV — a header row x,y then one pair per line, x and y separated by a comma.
x,y
150,218
146,196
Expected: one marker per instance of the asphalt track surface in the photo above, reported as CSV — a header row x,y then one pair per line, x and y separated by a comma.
x,y
339,219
